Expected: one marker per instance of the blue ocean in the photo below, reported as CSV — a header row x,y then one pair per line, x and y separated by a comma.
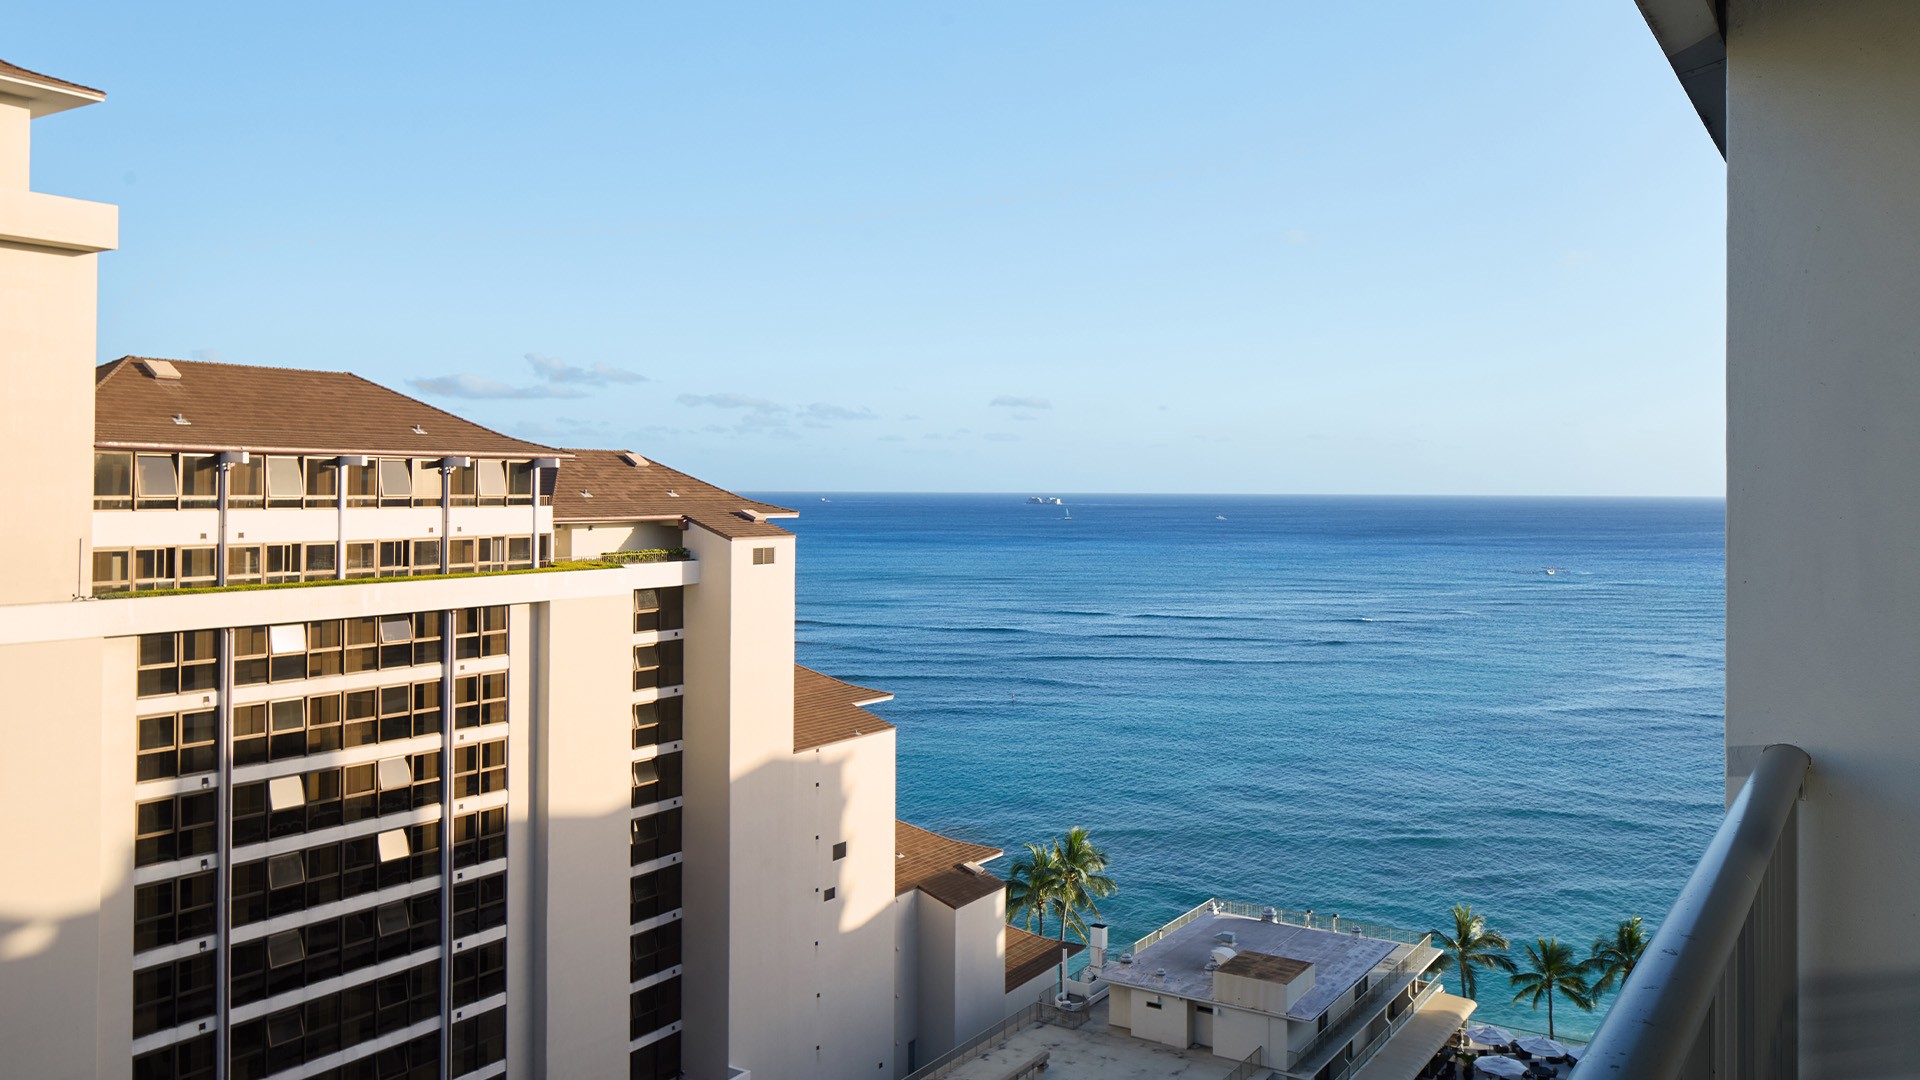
x,y
1374,707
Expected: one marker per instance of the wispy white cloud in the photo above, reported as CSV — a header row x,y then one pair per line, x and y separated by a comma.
x,y
1008,401
821,410
732,401
482,386
555,370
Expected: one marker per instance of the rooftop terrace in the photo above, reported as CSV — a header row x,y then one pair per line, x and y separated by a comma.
x,y
1339,959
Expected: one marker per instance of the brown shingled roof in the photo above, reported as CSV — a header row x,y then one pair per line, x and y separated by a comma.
x,y
279,410
1029,955
610,485
826,710
937,866
18,72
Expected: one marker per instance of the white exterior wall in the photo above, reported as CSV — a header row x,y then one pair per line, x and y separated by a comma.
x,y
1823,493
583,741
850,973
906,986
588,541
1169,1024
189,528
980,965
934,981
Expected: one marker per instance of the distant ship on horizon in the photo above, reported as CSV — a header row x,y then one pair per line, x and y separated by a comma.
x,y
1044,500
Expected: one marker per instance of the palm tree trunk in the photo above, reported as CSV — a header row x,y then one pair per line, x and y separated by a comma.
x,y
1549,1012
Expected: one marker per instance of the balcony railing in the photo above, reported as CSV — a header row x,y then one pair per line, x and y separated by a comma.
x,y
1717,993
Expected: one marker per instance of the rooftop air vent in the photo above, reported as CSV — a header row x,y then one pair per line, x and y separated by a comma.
x,y
586,494
1126,958
633,459
159,369
1268,914
1224,937
418,430
181,419
1159,973
672,494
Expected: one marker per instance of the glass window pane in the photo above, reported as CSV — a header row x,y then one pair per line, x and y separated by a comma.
x,y
157,478
493,476
283,478
199,477
112,475
287,638
396,480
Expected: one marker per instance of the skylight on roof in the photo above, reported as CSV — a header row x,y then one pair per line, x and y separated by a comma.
x,y
159,369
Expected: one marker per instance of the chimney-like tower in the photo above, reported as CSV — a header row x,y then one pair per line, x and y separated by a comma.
x,y
48,298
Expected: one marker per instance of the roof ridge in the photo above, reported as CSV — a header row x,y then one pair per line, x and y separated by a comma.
x,y
7,68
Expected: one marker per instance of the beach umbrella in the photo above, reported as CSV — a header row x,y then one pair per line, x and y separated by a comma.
x,y
1576,1052
1541,1046
1487,1033
1505,1068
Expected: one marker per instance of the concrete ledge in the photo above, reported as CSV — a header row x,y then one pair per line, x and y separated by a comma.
x,y
31,217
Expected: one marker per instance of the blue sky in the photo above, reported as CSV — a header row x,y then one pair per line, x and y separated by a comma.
x,y
1262,247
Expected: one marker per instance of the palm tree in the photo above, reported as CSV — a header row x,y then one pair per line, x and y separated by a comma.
x,y
1550,969
1082,883
1613,960
1032,884
1472,945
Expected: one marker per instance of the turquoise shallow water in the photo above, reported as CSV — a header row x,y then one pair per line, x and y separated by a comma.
x,y
1369,706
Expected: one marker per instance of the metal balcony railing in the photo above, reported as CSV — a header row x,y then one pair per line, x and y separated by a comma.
x,y
1717,993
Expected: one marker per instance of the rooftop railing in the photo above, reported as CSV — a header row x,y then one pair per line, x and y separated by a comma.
x,y
957,1056
1332,923
1716,993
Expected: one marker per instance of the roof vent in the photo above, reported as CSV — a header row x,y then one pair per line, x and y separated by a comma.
x,y
159,369
633,459
586,494
181,418
1224,937
672,494
418,430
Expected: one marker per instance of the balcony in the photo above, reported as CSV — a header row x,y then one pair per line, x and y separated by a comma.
x,y
1717,993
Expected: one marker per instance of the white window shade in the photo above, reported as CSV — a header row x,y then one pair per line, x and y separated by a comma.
x,y
394,773
287,638
286,793
157,478
393,845
493,476
396,480
283,478
285,948
395,629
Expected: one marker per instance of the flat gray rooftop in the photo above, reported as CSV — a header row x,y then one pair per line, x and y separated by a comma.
x,y
1092,1052
1339,960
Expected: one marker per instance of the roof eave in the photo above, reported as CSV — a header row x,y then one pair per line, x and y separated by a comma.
x,y
44,98
1694,39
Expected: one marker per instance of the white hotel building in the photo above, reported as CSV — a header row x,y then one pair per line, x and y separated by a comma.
x,y
343,741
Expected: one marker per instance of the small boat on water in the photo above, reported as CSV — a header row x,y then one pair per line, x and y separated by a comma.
x,y
1035,500
1219,517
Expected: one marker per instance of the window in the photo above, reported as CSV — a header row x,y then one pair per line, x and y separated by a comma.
x,y
479,905
1320,1024
658,665
339,870
112,481
190,1059
426,482
153,569
461,552
396,482
478,1042
321,560
199,482
660,1060
246,483
655,1007
245,565
283,563
159,485
478,769
480,699
460,485
763,556
490,475
839,851
178,663
175,744
293,959
426,556
323,798
197,566
112,571
656,722
173,827
651,952
655,894
313,1029
1151,1004
520,483
480,632
657,609
656,780
1360,988
168,995
519,552
827,895
178,909
479,973
479,837
323,481
362,561
652,836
